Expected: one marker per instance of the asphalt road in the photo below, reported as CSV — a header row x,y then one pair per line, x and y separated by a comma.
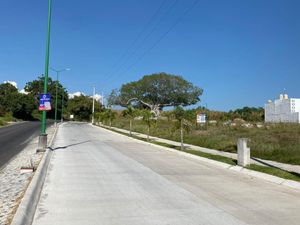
x,y
14,138
99,177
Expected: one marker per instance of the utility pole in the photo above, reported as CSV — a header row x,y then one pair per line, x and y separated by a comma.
x,y
43,136
62,106
56,84
93,109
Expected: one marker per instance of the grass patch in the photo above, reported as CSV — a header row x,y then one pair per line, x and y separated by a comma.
x,y
5,119
8,117
2,122
213,157
163,144
275,172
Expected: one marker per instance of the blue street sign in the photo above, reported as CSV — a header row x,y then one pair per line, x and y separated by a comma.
x,y
45,102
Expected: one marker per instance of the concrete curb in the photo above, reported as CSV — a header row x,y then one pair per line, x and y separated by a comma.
x,y
239,169
26,210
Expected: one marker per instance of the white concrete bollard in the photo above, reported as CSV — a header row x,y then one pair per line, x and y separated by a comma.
x,y
42,144
243,152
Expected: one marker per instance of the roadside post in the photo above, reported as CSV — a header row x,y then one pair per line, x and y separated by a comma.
x,y
243,152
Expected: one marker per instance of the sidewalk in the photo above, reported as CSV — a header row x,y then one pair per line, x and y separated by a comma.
x,y
96,176
257,161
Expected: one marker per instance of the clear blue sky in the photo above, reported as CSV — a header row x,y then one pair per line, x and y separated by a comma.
x,y
241,53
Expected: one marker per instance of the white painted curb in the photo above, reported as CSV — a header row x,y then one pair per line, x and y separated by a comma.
x,y
239,169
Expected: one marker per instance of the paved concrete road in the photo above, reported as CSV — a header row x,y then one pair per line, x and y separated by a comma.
x,y
14,138
97,177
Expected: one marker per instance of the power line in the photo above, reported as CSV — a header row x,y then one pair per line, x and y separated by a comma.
x,y
162,37
145,38
138,36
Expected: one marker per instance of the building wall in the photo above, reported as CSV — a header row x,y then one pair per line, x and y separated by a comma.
x,y
269,112
283,110
295,105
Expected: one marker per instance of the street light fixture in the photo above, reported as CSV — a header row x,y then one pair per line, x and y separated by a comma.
x,y
56,87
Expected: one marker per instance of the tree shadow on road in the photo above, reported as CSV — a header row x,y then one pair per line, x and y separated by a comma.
x,y
67,146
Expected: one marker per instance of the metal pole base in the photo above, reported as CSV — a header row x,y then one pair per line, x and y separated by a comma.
x,y
42,145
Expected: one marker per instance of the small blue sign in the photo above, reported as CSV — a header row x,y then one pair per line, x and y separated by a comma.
x,y
45,102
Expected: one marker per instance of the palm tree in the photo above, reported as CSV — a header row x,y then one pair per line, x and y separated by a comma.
x,y
110,115
130,113
179,116
183,118
148,118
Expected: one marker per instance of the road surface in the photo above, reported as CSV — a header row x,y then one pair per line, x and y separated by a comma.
x,y
15,137
98,177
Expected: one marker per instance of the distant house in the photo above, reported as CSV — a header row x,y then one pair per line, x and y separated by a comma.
x,y
284,109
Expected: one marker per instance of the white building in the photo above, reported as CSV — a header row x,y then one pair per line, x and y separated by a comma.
x,y
284,109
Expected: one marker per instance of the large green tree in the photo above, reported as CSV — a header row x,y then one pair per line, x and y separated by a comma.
x,y
250,114
17,104
81,107
157,91
8,97
36,87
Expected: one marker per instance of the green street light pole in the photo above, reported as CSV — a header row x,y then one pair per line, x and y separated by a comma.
x,y
56,90
47,65
43,136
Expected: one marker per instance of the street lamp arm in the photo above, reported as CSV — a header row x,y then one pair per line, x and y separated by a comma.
x,y
58,71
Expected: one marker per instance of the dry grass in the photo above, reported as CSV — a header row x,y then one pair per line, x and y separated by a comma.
x,y
279,142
